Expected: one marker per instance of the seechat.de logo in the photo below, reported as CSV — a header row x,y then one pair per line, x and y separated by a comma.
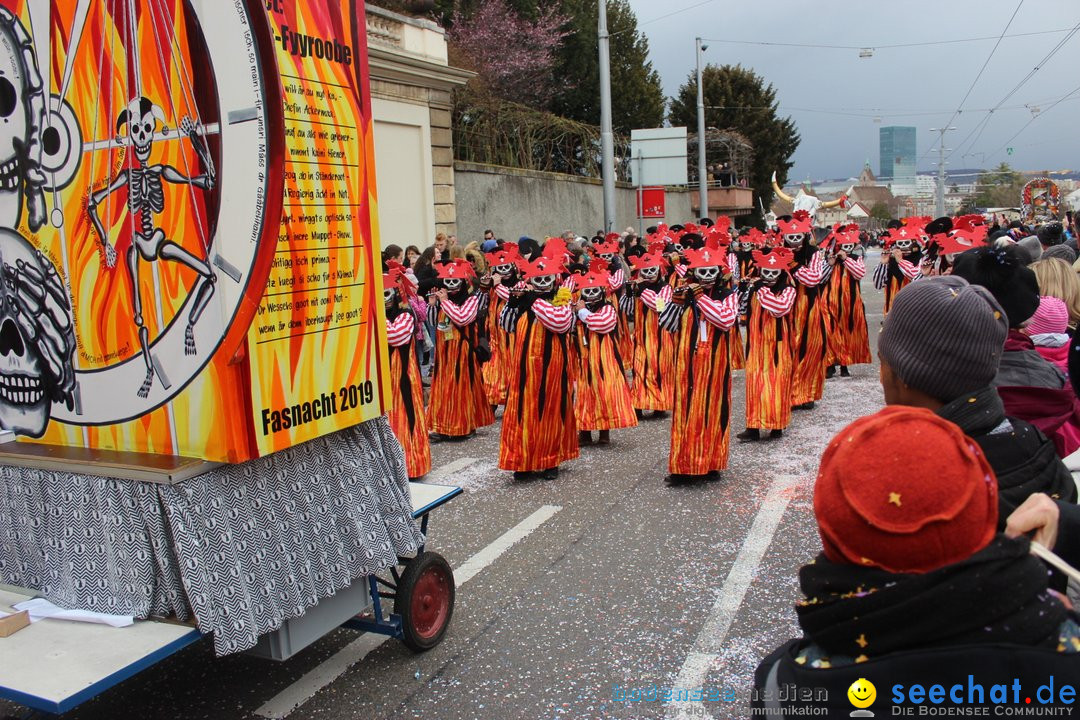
x,y
862,694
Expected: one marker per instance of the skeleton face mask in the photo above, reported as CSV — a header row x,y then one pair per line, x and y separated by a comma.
x,y
607,257
678,248
707,275
592,295
452,284
389,295
848,247
543,283
650,273
770,276
903,246
504,270
793,240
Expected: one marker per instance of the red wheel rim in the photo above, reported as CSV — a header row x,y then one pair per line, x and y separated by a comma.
x,y
430,605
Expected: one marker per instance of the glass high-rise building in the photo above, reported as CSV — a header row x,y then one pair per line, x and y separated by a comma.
x,y
898,157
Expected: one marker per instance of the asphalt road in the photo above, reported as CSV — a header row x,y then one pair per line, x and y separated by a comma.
x,y
614,583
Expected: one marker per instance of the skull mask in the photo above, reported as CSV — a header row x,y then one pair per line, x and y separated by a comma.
x,y
736,246
903,246
794,240
141,118
389,295
770,276
607,257
37,339
650,274
543,283
707,275
848,247
678,248
452,285
592,295
505,270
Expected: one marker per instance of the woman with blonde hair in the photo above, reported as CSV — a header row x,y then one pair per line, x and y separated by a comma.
x,y
1057,279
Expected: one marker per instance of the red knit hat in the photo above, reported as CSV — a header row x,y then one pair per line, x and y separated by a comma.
x,y
906,491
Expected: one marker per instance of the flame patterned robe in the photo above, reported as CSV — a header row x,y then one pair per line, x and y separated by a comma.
x,y
654,351
458,404
407,417
602,400
845,315
769,357
808,321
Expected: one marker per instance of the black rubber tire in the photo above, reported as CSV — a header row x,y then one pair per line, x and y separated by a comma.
x,y
425,601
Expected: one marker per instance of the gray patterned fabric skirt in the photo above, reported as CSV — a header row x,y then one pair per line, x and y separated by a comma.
x,y
239,549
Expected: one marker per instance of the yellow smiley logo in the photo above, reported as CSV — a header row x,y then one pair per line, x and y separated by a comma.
x,y
862,693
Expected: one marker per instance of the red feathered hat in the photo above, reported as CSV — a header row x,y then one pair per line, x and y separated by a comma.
x,y
541,267
969,222
648,260
780,258
607,247
902,233
506,255
596,277
396,277
754,238
457,269
959,241
555,249
712,255
799,223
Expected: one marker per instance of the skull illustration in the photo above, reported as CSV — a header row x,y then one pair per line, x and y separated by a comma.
x,y
770,276
650,273
22,107
452,285
141,117
543,283
592,295
389,295
37,339
793,240
707,275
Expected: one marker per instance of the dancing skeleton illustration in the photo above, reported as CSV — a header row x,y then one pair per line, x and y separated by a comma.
x,y
146,198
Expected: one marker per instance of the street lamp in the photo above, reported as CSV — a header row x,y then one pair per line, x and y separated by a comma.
x,y
941,169
607,136
703,175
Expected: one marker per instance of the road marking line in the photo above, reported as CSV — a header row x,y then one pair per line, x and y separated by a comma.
x,y
705,652
295,695
447,471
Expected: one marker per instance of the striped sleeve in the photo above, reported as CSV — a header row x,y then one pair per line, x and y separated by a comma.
x,y
463,314
651,298
556,318
721,313
602,321
777,305
856,267
881,275
570,283
617,279
502,291
680,270
399,331
733,266
813,272
910,270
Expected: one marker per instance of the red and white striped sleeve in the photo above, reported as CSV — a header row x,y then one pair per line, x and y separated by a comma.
x,y
463,314
650,297
603,321
721,313
777,305
856,267
570,283
733,266
556,318
910,270
502,291
813,272
681,270
617,279
400,331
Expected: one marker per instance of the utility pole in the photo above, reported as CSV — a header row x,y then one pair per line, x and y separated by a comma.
x,y
607,137
940,207
703,174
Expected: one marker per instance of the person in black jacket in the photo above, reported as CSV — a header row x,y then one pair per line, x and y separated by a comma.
x,y
914,587
940,348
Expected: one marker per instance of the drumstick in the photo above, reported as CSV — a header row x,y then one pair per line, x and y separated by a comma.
x,y
1050,558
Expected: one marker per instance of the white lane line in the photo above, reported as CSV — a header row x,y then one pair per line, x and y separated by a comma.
x,y
447,471
292,697
707,646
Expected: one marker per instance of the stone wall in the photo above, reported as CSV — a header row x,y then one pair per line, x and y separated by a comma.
x,y
516,202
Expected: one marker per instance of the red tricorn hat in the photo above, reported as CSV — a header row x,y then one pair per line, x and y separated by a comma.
x,y
959,241
799,223
780,258
555,249
607,247
395,277
596,277
754,238
648,260
712,255
902,233
457,269
541,267
506,255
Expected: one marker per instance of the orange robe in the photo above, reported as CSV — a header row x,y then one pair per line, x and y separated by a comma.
x,y
808,321
602,397
701,419
539,431
496,371
458,404
769,359
407,417
845,315
654,352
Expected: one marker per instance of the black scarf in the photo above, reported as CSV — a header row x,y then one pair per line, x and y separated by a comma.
x,y
998,595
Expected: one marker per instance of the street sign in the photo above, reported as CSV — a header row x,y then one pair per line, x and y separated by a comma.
x,y
651,202
658,156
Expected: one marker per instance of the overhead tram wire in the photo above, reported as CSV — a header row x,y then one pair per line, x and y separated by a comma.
x,y
960,107
1064,97
890,46
665,17
1038,66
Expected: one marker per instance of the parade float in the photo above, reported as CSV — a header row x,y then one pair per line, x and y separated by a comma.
x,y
1040,201
192,343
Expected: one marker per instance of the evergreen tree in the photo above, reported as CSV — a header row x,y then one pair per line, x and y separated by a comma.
x,y
737,98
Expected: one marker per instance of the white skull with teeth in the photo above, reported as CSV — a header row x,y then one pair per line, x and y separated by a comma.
x,y
650,273
794,240
505,270
452,285
389,295
707,275
903,245
770,275
543,283
592,295
22,107
141,117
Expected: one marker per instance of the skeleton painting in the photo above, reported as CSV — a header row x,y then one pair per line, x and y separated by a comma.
x,y
145,185
37,335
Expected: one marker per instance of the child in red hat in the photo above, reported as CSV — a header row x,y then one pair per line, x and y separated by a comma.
x,y
407,417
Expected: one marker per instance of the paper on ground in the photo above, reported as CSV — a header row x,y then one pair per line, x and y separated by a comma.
x,y
40,609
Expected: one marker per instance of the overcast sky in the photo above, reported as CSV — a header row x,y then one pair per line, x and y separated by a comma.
x,y
915,86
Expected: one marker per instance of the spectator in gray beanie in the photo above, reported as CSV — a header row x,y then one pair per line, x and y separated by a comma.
x,y
1029,249
1062,251
1031,388
940,348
